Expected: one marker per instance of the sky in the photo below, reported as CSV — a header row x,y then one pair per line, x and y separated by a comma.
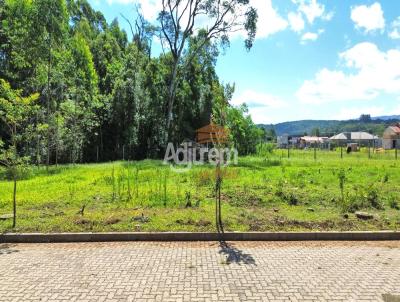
x,y
312,59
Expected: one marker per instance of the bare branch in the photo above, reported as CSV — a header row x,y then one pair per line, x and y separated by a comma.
x,y
130,25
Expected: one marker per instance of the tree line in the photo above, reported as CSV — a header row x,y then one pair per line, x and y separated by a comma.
x,y
99,96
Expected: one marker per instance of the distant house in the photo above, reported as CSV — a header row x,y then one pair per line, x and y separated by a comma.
x,y
282,141
361,138
311,141
285,141
391,137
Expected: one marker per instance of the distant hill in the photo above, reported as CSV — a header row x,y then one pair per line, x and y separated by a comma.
x,y
387,117
330,127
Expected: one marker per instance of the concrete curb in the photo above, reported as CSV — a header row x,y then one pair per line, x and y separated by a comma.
x,y
186,236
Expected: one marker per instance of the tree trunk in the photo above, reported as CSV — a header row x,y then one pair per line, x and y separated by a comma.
x,y
171,100
15,201
48,106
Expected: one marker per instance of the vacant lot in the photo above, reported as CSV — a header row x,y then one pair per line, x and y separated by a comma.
x,y
269,192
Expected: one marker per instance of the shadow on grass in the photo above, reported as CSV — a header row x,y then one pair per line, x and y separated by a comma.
x,y
6,249
235,255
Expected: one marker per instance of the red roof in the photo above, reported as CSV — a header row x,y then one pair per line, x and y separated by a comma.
x,y
396,128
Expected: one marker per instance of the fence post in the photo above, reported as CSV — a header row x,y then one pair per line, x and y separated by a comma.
x,y
288,151
369,149
341,151
315,151
395,152
97,154
123,152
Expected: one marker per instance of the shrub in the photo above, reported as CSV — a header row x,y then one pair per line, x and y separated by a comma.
x,y
393,203
291,199
373,198
204,177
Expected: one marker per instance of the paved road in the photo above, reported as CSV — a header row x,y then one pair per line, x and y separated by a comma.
x,y
281,271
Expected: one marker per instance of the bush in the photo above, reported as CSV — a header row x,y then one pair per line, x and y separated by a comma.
x,y
373,199
393,203
291,199
362,198
265,149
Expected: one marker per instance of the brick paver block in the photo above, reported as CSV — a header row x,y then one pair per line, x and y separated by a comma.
x,y
204,271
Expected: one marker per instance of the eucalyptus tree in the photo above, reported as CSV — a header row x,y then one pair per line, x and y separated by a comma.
x,y
179,20
52,23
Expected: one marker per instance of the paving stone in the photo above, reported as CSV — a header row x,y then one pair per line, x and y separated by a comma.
x,y
179,271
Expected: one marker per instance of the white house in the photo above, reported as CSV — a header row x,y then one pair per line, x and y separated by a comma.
x,y
391,137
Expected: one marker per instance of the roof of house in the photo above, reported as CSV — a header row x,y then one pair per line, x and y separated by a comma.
x,y
395,128
362,136
340,136
354,136
313,139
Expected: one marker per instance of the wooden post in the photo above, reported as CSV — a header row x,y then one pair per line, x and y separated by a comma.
x,y
97,154
315,151
123,152
395,152
341,151
369,149
288,151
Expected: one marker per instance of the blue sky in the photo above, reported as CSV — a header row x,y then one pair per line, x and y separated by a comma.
x,y
312,59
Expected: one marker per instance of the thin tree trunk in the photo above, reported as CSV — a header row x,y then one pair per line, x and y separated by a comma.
x,y
15,201
48,106
14,143
171,100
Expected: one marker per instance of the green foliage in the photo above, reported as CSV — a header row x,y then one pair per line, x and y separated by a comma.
x,y
100,95
244,134
393,203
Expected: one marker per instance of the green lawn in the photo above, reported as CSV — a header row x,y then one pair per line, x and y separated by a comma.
x,y
261,193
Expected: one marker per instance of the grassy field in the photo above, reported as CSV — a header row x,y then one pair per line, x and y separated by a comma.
x,y
261,193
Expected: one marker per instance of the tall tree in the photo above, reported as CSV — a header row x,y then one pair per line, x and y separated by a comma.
x,y
51,20
179,20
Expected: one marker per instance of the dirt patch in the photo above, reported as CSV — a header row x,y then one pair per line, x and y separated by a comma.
x,y
190,221
112,220
341,225
241,198
82,221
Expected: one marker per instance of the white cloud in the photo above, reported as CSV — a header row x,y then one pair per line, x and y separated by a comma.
x,y
368,18
312,10
262,106
395,29
296,21
150,8
355,112
311,36
395,111
370,73
269,21
257,99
